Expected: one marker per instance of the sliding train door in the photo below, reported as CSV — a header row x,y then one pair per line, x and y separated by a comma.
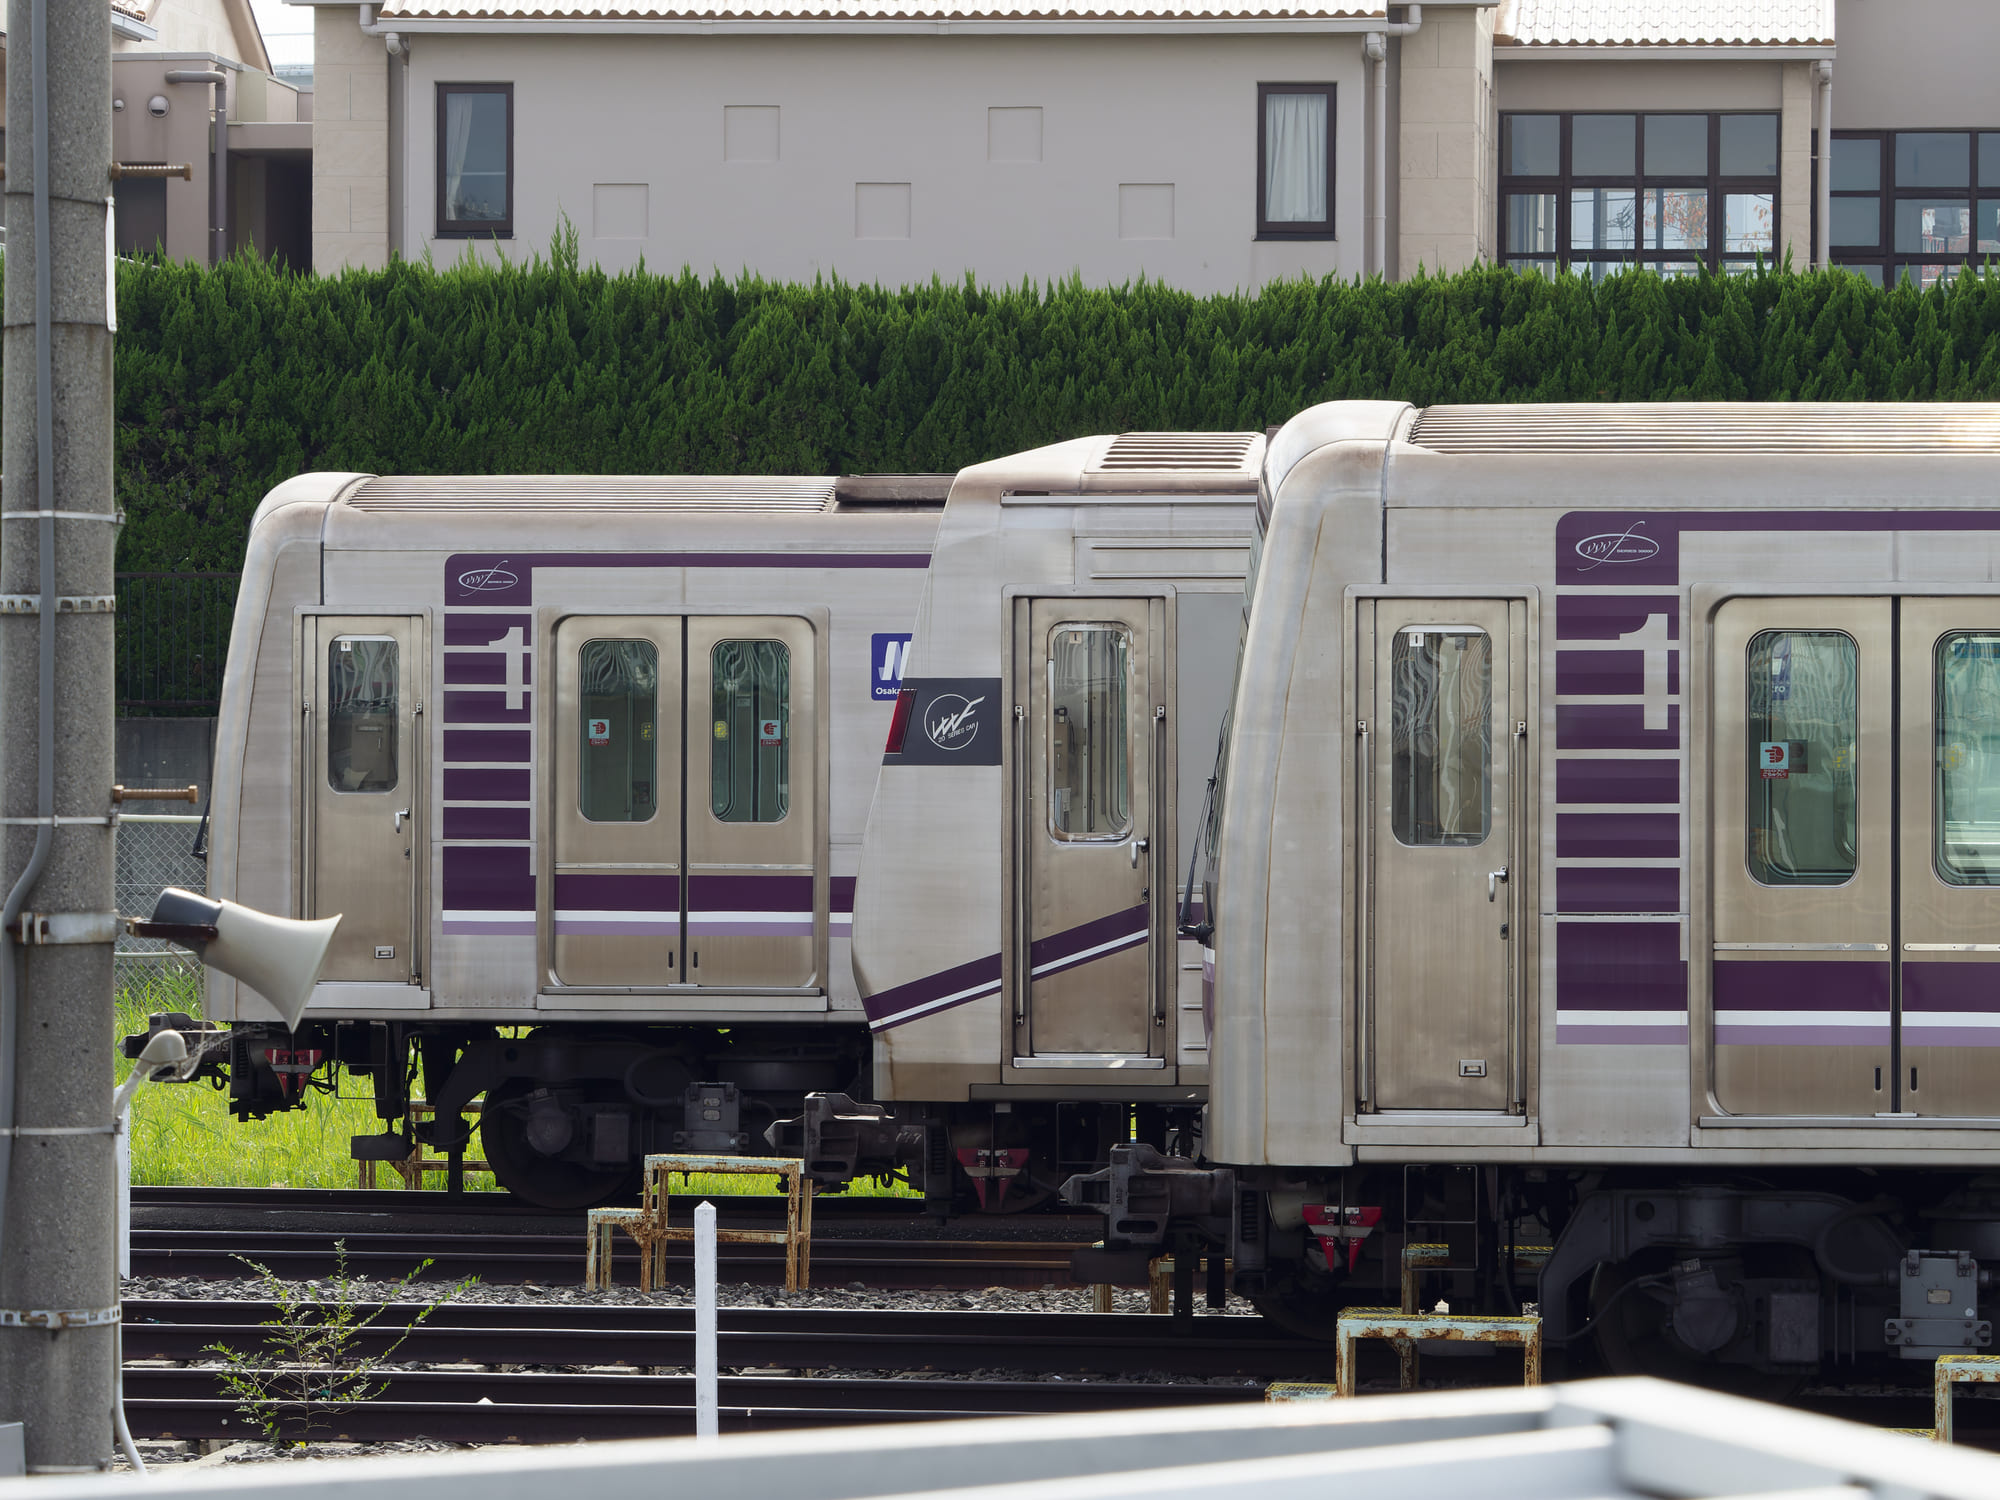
x,y
1441,696
686,828
1949,939
365,792
1856,849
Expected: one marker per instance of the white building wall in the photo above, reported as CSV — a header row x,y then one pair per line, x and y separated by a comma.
x,y
891,164
350,137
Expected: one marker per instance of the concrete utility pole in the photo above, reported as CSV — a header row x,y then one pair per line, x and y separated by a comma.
x,y
58,1287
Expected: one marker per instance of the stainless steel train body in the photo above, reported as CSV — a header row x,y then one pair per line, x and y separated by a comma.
x,y
1607,856
585,765
1014,930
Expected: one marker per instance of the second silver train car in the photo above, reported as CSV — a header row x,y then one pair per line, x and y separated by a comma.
x,y
585,764
1610,859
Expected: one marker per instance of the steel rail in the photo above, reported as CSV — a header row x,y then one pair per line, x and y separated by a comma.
x,y
767,1338
558,1259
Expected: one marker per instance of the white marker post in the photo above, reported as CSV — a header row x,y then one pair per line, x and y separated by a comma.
x,y
705,1398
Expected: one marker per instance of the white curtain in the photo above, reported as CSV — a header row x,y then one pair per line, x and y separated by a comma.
x,y
1295,158
458,139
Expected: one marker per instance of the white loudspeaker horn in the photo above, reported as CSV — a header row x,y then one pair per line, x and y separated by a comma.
x,y
278,957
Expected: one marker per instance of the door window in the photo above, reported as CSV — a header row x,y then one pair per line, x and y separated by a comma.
x,y
750,755
1441,736
361,713
1968,758
1802,719
618,731
1090,775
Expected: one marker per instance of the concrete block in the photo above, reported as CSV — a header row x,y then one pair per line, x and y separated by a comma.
x,y
338,38
333,253
1417,150
1459,152
368,207
329,207
329,93
351,151
1442,96
368,94
1437,206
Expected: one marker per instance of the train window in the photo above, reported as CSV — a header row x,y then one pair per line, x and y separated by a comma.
x,y
1090,780
618,721
1802,730
361,713
1441,736
750,754
1968,758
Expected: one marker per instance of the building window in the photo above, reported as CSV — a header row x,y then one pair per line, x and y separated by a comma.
x,y
475,160
1295,161
1915,203
1675,193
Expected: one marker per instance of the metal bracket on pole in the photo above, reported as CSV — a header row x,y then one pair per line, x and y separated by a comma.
x,y
183,170
104,820
66,604
47,929
115,517
60,1317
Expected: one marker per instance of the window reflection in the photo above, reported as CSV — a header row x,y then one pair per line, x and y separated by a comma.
x,y
1802,781
618,693
1968,758
750,752
1441,736
362,704
1090,795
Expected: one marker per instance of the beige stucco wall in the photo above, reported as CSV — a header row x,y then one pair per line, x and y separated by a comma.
x,y
626,137
1445,143
350,134
180,136
1911,64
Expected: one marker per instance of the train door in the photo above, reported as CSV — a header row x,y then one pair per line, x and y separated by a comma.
x,y
751,788
1805,871
1948,941
1089,672
365,792
616,821
1441,694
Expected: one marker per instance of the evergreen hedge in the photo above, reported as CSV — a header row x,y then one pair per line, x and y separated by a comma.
x,y
231,380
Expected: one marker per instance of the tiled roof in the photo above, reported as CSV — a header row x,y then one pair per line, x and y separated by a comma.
x,y
877,10
136,9
1664,23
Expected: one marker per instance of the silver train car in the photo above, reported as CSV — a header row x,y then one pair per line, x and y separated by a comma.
x,y
1609,860
585,764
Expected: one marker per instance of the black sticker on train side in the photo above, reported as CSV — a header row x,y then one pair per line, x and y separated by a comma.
x,y
954,721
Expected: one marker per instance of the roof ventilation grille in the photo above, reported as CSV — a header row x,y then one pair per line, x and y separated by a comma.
x,y
1215,452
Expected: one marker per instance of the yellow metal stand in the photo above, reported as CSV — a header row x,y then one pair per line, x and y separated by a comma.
x,y
1957,1369
649,1224
1397,1326
412,1167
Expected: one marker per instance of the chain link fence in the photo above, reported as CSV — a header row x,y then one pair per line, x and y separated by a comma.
x,y
155,850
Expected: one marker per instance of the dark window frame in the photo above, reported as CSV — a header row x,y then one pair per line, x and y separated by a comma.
x,y
465,229
1295,229
1565,181
1882,258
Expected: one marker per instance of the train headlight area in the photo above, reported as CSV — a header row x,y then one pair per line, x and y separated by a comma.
x,y
1557,833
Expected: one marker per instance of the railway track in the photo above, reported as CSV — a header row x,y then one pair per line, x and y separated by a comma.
x,y
557,1259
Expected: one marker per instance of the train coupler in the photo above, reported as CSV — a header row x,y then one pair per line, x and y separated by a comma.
x,y
840,1140
1144,1195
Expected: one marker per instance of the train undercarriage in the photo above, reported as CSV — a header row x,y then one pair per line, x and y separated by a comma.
x,y
566,1115
1752,1281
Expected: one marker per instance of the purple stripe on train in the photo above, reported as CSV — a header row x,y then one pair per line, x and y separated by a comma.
x,y
1055,954
488,891
485,785
605,904
1801,1003
1616,890
487,823
486,708
1569,1034
1609,673
1618,781
484,629
1614,726
1621,966
1951,1004
489,579
1610,617
483,668
1618,835
503,745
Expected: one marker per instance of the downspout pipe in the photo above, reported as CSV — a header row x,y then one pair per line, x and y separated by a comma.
x,y
1825,207
218,159
391,39
1375,47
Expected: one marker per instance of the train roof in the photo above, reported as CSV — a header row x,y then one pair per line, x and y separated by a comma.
x,y
1696,427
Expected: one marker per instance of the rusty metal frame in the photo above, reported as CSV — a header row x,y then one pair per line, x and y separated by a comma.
x,y
1957,1369
1399,1327
649,1224
412,1167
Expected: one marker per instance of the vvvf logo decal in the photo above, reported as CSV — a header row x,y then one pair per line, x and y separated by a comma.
x,y
950,722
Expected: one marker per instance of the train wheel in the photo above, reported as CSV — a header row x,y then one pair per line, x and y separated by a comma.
x,y
1635,1336
545,1181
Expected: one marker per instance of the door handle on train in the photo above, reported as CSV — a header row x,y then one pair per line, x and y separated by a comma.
x,y
1139,846
401,813
1492,878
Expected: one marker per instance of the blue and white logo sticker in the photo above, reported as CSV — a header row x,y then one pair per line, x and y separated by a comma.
x,y
887,656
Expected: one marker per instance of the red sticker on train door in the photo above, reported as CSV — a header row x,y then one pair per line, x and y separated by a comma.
x,y
770,733
600,732
1774,759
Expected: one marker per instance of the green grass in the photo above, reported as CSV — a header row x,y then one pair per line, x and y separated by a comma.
x,y
183,1134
